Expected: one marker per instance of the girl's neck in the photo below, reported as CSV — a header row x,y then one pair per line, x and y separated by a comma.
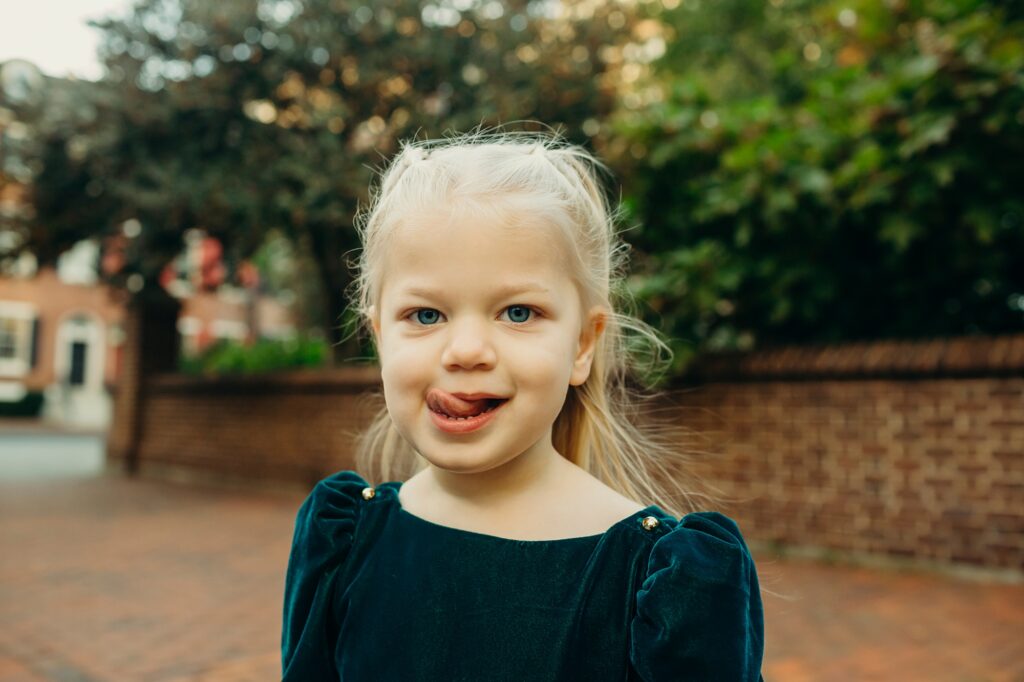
x,y
526,477
560,501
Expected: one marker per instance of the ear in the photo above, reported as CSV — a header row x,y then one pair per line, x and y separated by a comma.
x,y
593,327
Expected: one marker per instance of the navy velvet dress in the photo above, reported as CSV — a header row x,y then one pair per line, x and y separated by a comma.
x,y
373,592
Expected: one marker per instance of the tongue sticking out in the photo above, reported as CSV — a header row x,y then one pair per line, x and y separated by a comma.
x,y
440,401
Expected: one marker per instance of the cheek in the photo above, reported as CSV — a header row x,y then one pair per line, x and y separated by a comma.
x,y
403,373
402,396
542,364
400,351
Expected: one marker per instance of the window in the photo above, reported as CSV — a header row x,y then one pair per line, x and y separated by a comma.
x,y
8,339
17,332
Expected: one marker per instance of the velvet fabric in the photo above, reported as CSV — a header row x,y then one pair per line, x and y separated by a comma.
x,y
373,592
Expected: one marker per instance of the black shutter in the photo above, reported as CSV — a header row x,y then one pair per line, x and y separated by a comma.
x,y
34,344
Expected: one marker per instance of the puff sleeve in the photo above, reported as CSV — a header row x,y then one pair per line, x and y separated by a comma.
x,y
324,529
698,611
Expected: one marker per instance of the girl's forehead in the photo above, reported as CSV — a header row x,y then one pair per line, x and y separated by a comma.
x,y
473,259
474,238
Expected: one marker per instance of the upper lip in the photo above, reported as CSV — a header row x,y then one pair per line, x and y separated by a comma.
x,y
477,396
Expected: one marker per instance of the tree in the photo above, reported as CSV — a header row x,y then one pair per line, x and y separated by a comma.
x,y
246,116
831,171
48,130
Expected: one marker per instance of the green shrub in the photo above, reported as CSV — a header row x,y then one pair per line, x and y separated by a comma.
x,y
232,357
830,171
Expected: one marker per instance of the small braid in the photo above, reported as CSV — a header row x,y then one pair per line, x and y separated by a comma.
x,y
409,155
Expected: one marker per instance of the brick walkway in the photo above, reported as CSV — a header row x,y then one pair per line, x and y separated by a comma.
x,y
110,579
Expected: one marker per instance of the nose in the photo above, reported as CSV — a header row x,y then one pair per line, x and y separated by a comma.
x,y
468,347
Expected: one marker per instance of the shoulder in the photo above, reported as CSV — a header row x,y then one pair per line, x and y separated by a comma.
x,y
707,546
698,610
343,487
329,513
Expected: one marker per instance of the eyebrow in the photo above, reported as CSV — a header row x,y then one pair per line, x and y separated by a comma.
x,y
502,292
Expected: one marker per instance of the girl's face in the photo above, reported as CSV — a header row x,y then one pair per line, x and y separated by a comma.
x,y
471,308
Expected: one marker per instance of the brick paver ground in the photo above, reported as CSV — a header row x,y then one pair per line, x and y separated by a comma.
x,y
114,579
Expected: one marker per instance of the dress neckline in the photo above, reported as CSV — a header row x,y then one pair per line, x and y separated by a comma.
x,y
635,518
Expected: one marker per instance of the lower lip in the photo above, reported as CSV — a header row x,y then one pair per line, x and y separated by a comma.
x,y
464,425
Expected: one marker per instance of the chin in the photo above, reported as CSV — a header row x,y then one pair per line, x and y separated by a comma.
x,y
457,465
449,457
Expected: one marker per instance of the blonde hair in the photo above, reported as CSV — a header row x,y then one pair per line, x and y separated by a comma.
x,y
544,176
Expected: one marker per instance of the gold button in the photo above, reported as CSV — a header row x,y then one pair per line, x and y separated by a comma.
x,y
650,522
368,493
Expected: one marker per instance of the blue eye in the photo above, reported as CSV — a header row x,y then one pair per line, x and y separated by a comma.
x,y
523,310
431,315
519,314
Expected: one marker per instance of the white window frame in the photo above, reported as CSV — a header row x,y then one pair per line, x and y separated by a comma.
x,y
21,363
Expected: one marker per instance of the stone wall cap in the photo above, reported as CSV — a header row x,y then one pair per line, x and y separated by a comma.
x,y
356,377
977,355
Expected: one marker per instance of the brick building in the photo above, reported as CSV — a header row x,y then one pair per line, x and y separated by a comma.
x,y
62,331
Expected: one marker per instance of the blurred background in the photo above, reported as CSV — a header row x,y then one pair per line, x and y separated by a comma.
x,y
823,202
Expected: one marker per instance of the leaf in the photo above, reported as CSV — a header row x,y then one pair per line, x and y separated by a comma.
x,y
813,180
920,68
899,231
927,129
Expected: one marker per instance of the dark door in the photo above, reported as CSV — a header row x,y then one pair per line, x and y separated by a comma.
x,y
76,377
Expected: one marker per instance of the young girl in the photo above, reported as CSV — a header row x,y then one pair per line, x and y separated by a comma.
x,y
520,534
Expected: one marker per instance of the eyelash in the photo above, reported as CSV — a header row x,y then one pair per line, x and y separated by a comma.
x,y
536,313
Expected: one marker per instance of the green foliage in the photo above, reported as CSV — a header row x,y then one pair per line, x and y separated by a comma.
x,y
49,129
840,170
232,357
242,116
812,171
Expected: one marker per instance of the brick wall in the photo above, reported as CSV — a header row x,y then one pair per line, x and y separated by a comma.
x,y
294,427
911,450
890,449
